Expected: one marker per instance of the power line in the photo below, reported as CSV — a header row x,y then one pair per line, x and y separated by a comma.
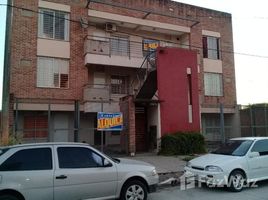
x,y
191,46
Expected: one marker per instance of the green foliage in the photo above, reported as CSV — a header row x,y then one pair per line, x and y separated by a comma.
x,y
182,144
12,140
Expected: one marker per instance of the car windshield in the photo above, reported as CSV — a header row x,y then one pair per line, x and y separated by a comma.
x,y
234,148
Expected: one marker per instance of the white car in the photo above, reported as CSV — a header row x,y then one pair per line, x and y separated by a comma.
x,y
237,163
71,171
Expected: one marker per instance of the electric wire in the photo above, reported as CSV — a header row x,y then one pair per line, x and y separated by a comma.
x,y
190,46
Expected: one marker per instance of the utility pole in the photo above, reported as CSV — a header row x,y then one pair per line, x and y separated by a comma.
x,y
6,78
222,126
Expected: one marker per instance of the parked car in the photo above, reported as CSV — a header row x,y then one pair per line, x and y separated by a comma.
x,y
71,171
237,163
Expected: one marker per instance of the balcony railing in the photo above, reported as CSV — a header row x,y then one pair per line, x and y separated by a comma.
x,y
104,92
117,46
97,92
113,46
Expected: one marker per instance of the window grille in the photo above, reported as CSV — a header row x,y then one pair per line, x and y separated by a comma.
x,y
119,84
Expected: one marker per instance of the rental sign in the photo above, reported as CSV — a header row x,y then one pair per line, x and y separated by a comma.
x,y
110,121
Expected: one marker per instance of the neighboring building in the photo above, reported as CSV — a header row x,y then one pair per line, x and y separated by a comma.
x,y
70,55
254,120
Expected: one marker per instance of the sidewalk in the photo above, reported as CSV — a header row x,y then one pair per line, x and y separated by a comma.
x,y
166,166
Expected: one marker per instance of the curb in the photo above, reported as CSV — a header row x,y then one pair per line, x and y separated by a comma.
x,y
169,179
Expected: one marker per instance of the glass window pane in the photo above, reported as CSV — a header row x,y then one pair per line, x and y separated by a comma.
x,y
48,23
78,157
52,72
59,25
213,84
211,47
261,146
29,159
53,24
119,84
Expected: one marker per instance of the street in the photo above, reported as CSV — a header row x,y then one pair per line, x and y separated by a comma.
x,y
204,193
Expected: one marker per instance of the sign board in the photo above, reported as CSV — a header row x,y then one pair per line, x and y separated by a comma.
x,y
150,45
110,121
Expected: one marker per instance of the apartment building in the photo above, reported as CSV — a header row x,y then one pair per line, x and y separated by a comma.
x,y
167,66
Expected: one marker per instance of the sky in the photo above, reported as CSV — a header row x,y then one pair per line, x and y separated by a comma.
x,y
250,33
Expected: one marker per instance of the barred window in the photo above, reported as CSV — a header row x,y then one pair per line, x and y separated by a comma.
x,y
53,24
213,84
35,127
52,72
119,84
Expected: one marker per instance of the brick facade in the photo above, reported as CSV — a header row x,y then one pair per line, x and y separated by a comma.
x,y
24,46
24,36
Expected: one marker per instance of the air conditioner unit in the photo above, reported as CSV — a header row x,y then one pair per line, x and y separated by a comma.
x,y
109,27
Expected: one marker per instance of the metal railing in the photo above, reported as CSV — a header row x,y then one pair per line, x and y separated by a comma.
x,y
104,92
113,46
116,46
96,92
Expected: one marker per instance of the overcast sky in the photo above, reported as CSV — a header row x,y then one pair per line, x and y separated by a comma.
x,y
250,30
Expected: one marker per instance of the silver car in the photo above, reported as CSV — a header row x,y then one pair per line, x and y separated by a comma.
x,y
71,171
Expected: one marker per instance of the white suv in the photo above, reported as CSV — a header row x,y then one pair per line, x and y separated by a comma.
x,y
71,171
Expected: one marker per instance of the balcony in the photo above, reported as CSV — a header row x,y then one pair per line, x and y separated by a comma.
x,y
103,97
113,51
97,92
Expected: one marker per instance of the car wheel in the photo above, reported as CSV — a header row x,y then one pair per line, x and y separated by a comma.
x,y
236,181
8,197
134,190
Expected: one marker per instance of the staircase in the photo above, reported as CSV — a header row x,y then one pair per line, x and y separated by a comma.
x,y
147,78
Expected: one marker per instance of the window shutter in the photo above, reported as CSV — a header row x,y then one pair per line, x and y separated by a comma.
x,y
205,47
59,25
48,23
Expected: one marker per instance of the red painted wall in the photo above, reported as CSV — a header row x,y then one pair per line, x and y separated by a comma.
x,y
173,87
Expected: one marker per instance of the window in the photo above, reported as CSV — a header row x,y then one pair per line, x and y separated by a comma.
x,y
78,157
35,127
52,73
213,84
261,146
29,159
53,24
119,84
120,46
211,47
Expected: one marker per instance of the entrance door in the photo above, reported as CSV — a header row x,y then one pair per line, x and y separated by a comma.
x,y
61,126
140,123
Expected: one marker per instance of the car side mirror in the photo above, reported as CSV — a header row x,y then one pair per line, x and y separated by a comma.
x,y
106,163
254,154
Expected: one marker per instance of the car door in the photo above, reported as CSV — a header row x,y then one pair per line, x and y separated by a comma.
x,y
259,165
81,174
29,171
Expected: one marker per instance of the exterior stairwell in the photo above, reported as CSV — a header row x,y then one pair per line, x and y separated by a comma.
x,y
147,78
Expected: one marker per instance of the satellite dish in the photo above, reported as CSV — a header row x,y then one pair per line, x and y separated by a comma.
x,y
83,22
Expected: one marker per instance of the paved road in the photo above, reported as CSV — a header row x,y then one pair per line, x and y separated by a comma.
x,y
204,193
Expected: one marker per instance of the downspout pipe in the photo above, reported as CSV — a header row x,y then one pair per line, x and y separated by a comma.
x,y
6,76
